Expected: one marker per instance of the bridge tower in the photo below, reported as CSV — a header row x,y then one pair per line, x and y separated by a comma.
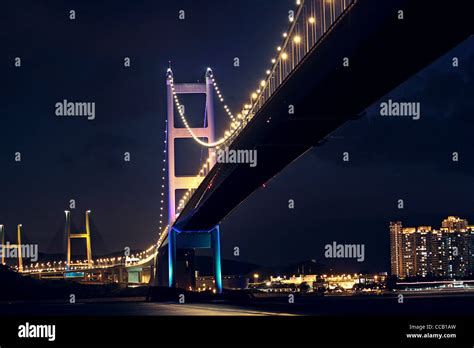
x,y
86,236
11,246
20,256
189,239
186,182
2,241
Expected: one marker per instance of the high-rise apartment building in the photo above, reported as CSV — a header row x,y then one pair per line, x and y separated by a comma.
x,y
424,251
396,247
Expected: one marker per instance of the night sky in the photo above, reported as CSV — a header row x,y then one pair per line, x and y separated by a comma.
x,y
73,158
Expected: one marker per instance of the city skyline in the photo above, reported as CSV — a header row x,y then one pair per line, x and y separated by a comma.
x,y
426,251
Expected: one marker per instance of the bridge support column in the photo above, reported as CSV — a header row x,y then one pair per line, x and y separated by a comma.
x,y
172,258
216,249
195,240
120,275
2,241
86,236
20,258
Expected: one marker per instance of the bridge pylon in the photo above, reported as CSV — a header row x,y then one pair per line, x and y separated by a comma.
x,y
20,256
186,182
18,246
2,240
178,239
86,235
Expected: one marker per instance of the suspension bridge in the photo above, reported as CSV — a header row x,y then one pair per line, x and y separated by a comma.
x,y
336,58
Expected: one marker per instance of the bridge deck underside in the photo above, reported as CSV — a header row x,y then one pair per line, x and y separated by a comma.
x,y
383,51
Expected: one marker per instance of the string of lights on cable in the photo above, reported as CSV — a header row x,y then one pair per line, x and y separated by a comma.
x,y
163,179
180,108
249,109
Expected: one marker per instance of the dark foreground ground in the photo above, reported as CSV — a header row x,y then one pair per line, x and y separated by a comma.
x,y
337,320
446,304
